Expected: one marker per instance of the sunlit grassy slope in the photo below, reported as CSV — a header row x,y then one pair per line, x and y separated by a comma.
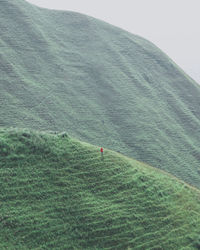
x,y
66,71
57,193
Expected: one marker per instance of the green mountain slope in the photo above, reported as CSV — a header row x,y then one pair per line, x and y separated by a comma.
x,y
66,71
57,192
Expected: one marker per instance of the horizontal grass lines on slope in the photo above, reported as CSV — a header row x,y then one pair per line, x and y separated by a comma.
x,y
66,71
58,193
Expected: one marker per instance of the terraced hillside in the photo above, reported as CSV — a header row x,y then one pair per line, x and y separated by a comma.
x,y
66,71
57,192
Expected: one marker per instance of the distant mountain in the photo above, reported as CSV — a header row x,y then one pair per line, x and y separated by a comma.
x,y
57,193
69,72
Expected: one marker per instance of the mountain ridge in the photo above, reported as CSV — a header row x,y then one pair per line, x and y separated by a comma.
x,y
58,192
65,71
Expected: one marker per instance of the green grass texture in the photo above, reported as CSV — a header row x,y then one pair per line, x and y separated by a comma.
x,y
64,71
58,193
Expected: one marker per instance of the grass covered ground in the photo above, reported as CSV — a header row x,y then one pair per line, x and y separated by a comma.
x,y
64,71
57,193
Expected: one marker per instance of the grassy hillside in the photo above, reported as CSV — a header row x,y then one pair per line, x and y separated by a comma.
x,y
57,192
66,71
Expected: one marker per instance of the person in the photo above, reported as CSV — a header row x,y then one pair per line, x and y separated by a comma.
x,y
101,152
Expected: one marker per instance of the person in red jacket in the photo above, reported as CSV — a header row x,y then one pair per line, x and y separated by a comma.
x,y
101,152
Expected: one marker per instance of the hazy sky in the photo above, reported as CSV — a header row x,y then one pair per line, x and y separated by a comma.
x,y
173,25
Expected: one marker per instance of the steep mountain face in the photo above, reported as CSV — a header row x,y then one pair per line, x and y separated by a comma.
x,y
66,71
57,193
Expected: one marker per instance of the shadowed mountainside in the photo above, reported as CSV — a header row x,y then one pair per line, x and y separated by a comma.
x,y
66,71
